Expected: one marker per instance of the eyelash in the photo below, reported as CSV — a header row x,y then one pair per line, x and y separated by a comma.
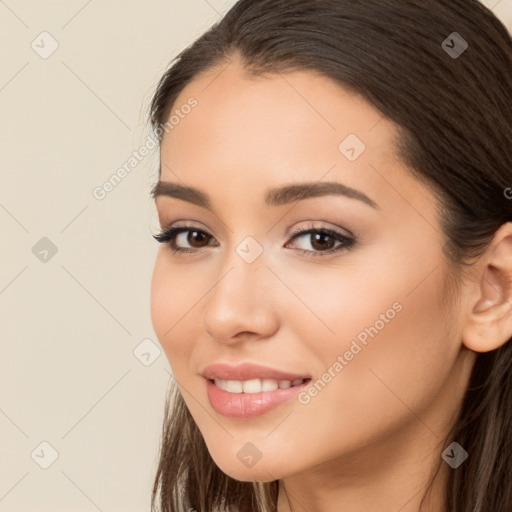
x,y
168,236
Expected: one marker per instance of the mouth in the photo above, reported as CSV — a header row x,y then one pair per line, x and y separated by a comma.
x,y
249,390
246,372
252,386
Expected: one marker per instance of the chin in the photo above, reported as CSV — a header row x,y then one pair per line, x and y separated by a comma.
x,y
250,475
261,471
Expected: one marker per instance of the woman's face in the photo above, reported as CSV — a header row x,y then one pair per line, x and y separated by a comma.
x,y
354,303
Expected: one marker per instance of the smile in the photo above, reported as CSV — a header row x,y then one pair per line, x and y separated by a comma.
x,y
255,385
251,398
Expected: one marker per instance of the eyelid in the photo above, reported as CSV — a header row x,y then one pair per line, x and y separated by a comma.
x,y
290,232
347,242
312,226
185,224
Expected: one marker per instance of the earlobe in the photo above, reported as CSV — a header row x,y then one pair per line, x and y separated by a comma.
x,y
489,319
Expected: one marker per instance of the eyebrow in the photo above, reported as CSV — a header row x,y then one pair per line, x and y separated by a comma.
x,y
274,197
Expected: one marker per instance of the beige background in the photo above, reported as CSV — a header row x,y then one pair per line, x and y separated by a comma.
x,y
71,321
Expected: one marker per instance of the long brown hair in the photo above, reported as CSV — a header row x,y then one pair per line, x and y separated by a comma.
x,y
454,115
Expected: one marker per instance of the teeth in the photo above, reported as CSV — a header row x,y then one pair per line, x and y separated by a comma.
x,y
269,385
251,386
255,385
234,386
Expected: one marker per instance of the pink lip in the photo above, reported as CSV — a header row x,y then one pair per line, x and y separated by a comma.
x,y
248,405
247,371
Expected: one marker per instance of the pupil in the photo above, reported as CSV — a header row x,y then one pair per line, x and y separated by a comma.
x,y
198,238
320,237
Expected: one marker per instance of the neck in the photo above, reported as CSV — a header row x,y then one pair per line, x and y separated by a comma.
x,y
387,473
393,476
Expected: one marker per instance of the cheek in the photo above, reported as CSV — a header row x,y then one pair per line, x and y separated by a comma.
x,y
337,304
389,327
171,303
407,362
402,367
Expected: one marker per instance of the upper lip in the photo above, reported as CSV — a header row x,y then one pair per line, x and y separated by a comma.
x,y
247,371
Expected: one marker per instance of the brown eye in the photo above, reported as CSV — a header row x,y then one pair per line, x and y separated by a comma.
x,y
184,239
321,241
196,238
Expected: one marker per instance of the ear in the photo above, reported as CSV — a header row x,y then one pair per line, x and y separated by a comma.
x,y
489,320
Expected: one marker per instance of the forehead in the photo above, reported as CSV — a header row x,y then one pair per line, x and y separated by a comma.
x,y
248,134
297,105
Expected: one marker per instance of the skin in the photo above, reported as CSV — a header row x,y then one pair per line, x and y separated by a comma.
x,y
370,438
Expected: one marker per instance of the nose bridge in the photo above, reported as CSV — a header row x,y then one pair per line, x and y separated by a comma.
x,y
243,267
240,300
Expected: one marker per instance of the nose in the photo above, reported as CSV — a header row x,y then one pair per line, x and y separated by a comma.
x,y
241,304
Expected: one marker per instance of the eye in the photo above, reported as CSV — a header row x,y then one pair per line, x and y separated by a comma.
x,y
322,240
186,234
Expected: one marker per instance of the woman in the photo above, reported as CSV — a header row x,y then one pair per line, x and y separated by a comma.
x,y
333,291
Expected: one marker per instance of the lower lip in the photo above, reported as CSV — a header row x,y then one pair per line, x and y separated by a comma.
x,y
249,405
